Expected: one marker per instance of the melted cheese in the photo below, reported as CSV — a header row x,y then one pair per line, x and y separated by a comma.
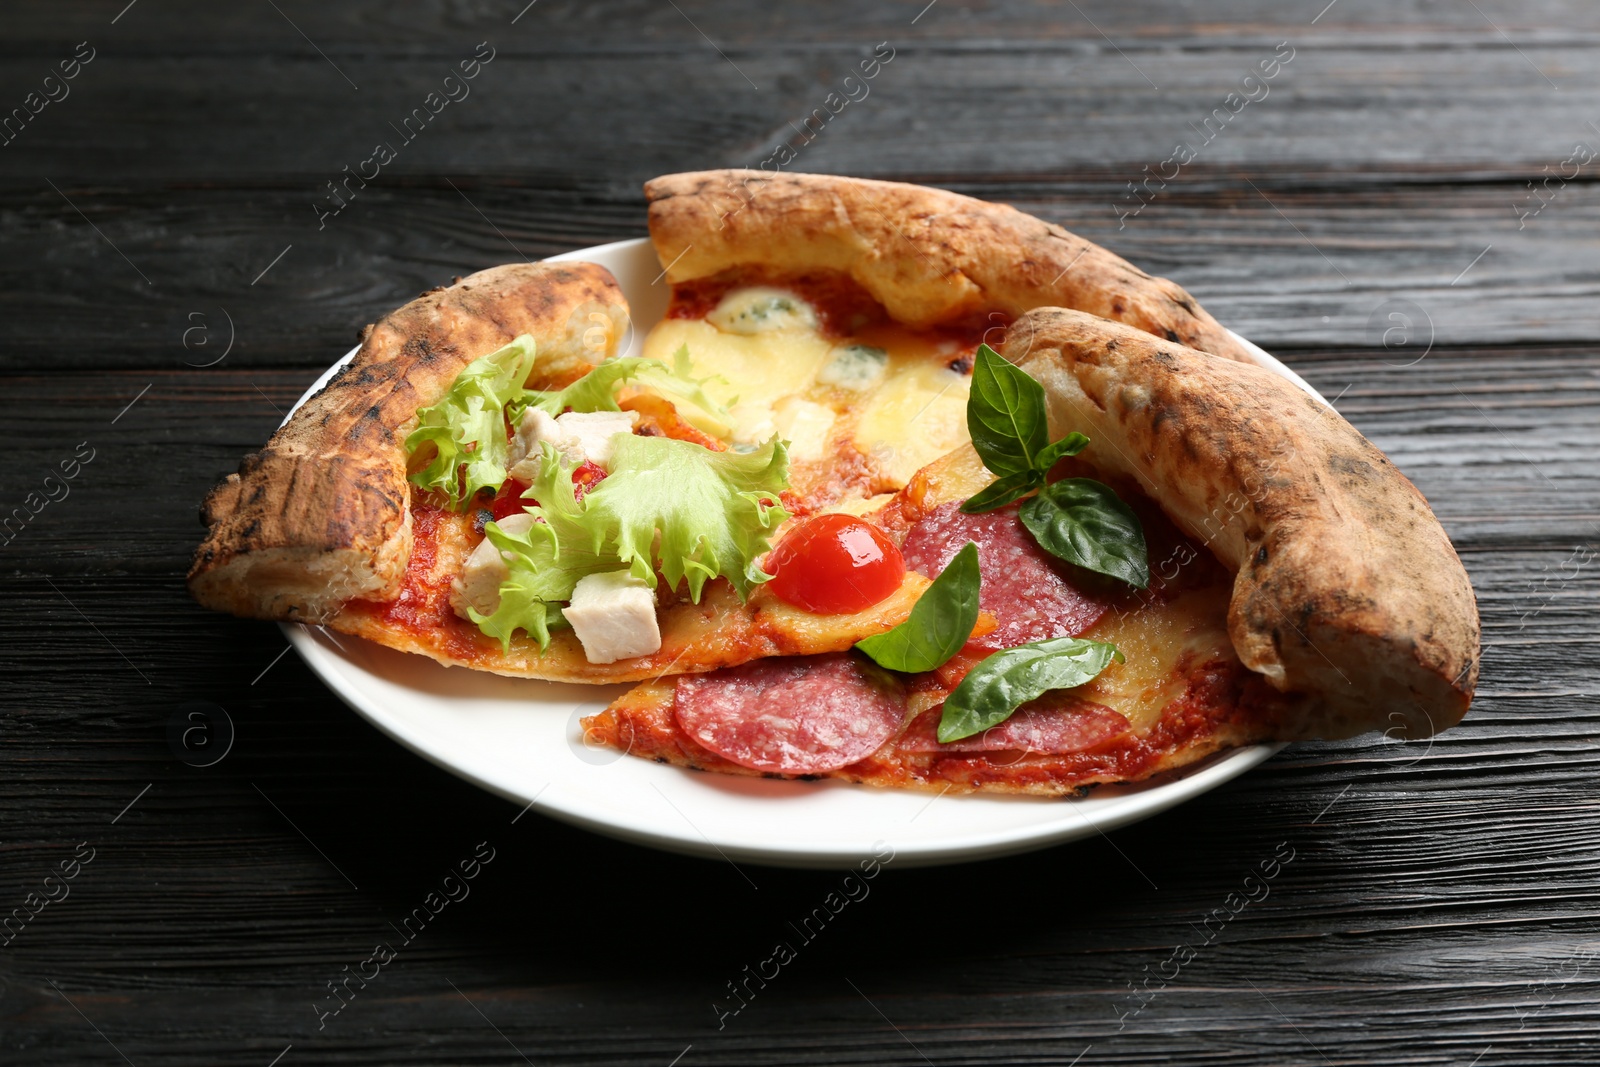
x,y
888,393
805,425
860,505
1152,640
755,370
915,417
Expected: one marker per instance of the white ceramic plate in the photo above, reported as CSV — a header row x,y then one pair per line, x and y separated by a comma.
x,y
522,740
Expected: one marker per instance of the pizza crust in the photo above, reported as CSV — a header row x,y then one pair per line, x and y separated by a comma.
x,y
321,514
927,255
1347,589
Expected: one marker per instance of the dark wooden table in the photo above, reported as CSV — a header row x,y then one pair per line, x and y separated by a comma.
x,y
1405,212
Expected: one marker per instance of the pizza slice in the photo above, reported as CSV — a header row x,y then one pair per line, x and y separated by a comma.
x,y
1178,553
399,503
489,484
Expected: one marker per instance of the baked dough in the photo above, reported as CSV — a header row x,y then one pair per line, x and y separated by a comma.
x,y
928,256
1347,590
321,514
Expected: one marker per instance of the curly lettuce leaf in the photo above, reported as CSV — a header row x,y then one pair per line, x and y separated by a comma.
x,y
597,390
678,383
714,512
467,427
546,562
668,508
523,604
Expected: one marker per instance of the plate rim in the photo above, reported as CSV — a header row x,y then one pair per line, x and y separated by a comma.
x,y
1145,802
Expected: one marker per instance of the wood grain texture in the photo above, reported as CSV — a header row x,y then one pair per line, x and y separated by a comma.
x,y
1441,900
1290,268
1082,107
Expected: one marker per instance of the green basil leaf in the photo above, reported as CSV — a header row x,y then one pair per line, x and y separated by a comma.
x,y
1084,522
1003,492
1003,682
1005,415
939,624
1069,445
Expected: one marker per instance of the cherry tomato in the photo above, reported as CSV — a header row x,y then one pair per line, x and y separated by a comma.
x,y
835,565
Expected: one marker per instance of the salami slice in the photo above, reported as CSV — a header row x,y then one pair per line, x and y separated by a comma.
x,y
801,715
1027,590
1052,725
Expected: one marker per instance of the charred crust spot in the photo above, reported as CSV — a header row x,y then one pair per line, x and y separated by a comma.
x,y
1168,360
1261,556
961,364
1117,307
1111,345
422,349
1185,303
1172,335
1357,468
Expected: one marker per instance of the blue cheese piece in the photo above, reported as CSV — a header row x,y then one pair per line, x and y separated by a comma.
x,y
614,617
854,367
762,310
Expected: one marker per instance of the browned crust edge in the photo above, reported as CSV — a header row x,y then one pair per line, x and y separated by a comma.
x,y
321,514
929,256
1347,589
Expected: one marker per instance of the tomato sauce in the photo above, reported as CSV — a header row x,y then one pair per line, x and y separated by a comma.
x,y
423,606
843,306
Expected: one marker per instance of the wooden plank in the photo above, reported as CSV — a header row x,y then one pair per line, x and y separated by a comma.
x,y
1287,267
430,26
1086,107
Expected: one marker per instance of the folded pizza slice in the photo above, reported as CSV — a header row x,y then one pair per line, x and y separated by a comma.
x,y
1176,554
